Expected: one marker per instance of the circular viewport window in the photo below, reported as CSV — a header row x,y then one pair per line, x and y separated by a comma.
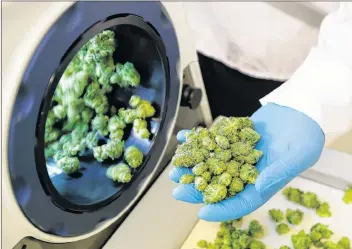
x,y
103,113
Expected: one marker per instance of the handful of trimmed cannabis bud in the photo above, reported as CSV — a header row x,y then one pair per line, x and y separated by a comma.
x,y
222,158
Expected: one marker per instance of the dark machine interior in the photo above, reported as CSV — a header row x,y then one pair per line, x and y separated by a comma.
x,y
90,186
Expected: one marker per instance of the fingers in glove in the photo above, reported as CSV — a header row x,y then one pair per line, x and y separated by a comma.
x,y
271,152
181,135
281,171
233,208
176,172
187,193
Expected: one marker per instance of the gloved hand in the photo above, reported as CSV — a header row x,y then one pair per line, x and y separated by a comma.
x,y
291,142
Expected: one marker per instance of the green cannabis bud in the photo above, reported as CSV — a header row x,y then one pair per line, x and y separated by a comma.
x,y
116,123
223,155
318,232
249,135
117,134
51,135
99,154
207,176
282,228
145,109
87,115
236,186
52,149
119,173
233,168
200,183
324,210
310,200
92,140
59,112
133,156
344,243
248,173
225,179
347,198
134,101
143,133
294,217
199,169
68,164
128,115
202,244
100,124
208,143
214,193
293,194
126,75
301,240
186,179
183,160
329,245
216,166
256,244
222,141
255,229
276,215
113,149
140,127
252,158
241,149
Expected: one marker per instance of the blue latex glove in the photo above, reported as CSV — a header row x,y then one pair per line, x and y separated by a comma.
x,y
291,142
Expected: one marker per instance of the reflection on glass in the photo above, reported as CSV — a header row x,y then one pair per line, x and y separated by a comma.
x,y
98,127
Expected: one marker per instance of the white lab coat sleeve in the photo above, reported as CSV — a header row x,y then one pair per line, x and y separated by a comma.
x,y
322,86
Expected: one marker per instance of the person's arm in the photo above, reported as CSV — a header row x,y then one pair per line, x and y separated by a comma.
x,y
292,122
322,86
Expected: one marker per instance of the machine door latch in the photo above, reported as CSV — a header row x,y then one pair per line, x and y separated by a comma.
x,y
191,96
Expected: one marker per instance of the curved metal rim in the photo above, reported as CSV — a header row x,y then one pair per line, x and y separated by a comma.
x,y
40,158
